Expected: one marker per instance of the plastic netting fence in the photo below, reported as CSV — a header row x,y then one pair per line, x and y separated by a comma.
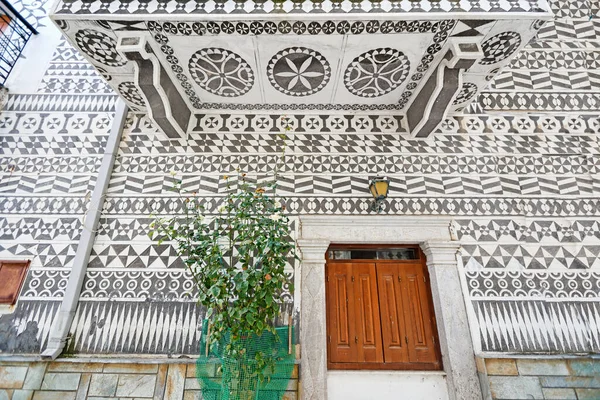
x,y
226,379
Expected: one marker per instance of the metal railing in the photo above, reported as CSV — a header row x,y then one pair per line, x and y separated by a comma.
x,y
15,32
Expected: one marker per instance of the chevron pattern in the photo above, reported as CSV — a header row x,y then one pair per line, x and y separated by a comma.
x,y
547,80
535,326
44,184
406,185
136,328
32,320
568,29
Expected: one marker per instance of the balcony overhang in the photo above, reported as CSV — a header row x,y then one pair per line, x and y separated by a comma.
x,y
417,61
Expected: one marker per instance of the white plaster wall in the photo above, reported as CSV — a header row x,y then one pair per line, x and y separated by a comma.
x,y
386,385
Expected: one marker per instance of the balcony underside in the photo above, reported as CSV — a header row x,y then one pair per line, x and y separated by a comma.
x,y
174,63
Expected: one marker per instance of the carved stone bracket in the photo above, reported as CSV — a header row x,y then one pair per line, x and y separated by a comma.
x,y
161,97
433,102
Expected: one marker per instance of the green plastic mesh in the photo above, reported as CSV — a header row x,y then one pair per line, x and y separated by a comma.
x,y
227,379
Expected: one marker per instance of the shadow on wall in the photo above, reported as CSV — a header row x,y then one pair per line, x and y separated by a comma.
x,y
11,341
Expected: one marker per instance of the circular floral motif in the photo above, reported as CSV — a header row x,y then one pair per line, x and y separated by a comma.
x,y
100,47
499,47
376,72
298,71
131,93
467,91
221,72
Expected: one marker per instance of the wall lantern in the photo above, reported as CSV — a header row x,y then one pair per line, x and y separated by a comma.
x,y
379,187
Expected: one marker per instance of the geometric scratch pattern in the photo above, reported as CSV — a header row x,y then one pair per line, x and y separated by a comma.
x,y
531,232
531,256
536,326
136,327
166,7
533,285
524,187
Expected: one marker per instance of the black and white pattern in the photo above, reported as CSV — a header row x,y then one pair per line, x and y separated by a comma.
x,y
500,47
534,284
163,33
131,93
100,47
376,72
286,7
467,91
292,27
298,71
221,72
523,186
540,102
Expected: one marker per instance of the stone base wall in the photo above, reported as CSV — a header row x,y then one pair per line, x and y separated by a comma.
x,y
99,381
540,378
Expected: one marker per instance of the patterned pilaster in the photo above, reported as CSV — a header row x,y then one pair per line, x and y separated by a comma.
x,y
313,329
451,315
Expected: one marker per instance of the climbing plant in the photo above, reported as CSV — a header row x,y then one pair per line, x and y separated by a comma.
x,y
237,259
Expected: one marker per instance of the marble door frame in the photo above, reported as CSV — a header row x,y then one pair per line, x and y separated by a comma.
x,y
434,236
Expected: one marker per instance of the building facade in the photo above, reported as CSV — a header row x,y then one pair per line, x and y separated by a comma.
x,y
496,185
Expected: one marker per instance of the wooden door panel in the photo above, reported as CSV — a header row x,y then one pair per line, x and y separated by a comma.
x,y
393,328
418,312
380,316
367,317
341,314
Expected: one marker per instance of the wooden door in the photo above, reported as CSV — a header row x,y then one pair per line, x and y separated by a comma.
x,y
367,313
418,314
393,326
380,315
340,314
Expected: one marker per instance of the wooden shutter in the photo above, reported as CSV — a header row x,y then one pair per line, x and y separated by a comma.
x,y
418,314
12,275
340,313
367,313
393,327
